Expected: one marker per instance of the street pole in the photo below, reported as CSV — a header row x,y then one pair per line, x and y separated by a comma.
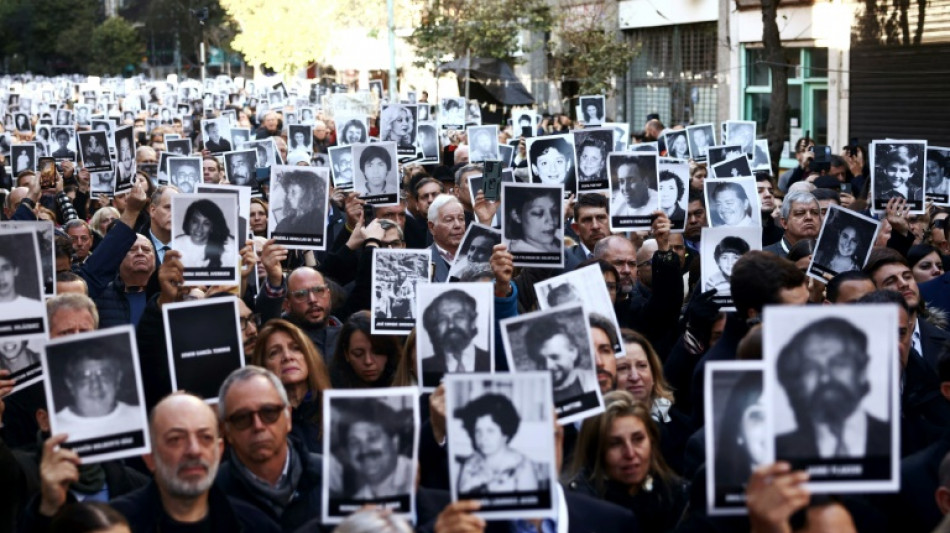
x,y
468,71
393,95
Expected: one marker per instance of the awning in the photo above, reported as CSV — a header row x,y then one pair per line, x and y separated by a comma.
x,y
494,76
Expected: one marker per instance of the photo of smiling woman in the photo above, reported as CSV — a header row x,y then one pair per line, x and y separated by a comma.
x,y
397,123
532,223
897,171
844,243
203,232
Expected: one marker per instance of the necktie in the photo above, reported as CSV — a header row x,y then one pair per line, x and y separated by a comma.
x,y
459,365
841,449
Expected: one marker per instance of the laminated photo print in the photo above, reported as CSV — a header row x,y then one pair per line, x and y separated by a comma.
x,y
300,145
94,149
483,142
397,124
634,195
240,168
584,286
737,167
184,173
533,224
205,230
844,243
732,202
937,184
351,129
455,331
507,419
701,137
677,144
299,199
673,190
721,248
370,451
397,275
593,110
94,393
216,135
556,340
472,261
591,146
897,171
23,324
451,114
341,167
832,382
376,176
736,438
551,160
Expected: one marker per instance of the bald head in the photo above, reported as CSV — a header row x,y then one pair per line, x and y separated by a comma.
x,y
178,405
14,198
461,155
646,250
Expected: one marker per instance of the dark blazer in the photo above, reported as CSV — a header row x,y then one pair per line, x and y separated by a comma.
x,y
933,340
573,257
936,292
216,147
434,367
442,267
914,508
777,248
802,441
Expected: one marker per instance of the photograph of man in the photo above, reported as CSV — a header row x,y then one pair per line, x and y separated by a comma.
x,y
938,179
700,138
213,138
95,155
94,379
551,160
592,147
23,124
17,356
844,243
677,145
369,449
301,140
472,260
83,115
203,233
593,109
523,124
838,379
23,157
736,167
397,123
239,168
64,117
341,163
729,202
265,152
484,143
725,255
184,173
897,171
352,131
635,185
742,133
239,136
428,136
455,331
452,113
377,172
126,157
298,206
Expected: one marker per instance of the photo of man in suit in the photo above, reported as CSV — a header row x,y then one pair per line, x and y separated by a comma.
x,y
451,321
823,370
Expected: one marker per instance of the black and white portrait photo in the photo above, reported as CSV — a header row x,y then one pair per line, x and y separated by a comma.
x,y
125,158
761,160
23,157
634,192
721,248
452,114
204,344
737,435
844,243
370,449
500,443
523,123
483,143
22,311
427,138
532,223
204,230
832,375
243,195
677,144
341,167
700,137
23,124
584,286
299,198
94,393
94,149
265,152
83,114
557,340
454,329
937,184
239,136
107,127
397,124
307,115
551,160
472,259
592,109
180,147
216,135
718,154
742,133
351,129
45,234
240,169
591,146
397,274
20,355
184,172
897,171
299,142
376,177
732,202
473,113
376,88
506,154
673,190
621,135
736,167
64,117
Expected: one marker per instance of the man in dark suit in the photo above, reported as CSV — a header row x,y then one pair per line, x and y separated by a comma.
x,y
450,322
447,227
216,144
591,224
823,370
801,219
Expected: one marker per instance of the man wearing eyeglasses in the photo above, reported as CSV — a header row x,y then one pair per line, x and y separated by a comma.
x,y
93,380
263,467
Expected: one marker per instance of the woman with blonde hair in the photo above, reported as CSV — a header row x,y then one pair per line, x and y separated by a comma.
x,y
285,350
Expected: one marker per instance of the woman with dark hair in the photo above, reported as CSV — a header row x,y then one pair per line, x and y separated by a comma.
x,y
207,240
301,213
89,517
741,441
925,262
364,360
618,459
840,252
533,221
491,422
354,131
671,191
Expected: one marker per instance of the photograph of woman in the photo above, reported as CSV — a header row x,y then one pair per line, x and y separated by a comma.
x,y
352,132
677,144
397,123
592,148
843,244
532,221
672,192
298,210
898,172
204,237
593,109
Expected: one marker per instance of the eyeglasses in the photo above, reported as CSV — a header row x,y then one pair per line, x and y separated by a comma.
x,y
245,419
302,294
99,374
245,320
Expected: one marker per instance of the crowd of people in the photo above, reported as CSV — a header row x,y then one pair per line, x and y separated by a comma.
x,y
253,461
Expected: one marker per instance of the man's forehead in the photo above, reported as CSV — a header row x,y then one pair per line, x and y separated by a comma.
x,y
304,277
591,211
239,394
890,269
620,247
451,208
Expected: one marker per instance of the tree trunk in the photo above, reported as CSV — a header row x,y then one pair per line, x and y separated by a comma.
x,y
777,126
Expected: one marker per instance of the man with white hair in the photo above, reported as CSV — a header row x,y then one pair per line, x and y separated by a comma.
x,y
447,225
801,218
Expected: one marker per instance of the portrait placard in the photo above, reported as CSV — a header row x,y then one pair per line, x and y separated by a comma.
x,y
397,274
634,187
721,248
737,167
474,253
184,172
451,114
718,154
591,146
732,202
701,137
351,129
397,124
741,133
673,190
299,199
551,160
125,159
937,183
216,135
677,144
45,238
376,175
204,229
897,171
532,223
592,109
844,243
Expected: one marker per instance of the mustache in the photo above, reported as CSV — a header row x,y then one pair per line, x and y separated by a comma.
x,y
191,463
